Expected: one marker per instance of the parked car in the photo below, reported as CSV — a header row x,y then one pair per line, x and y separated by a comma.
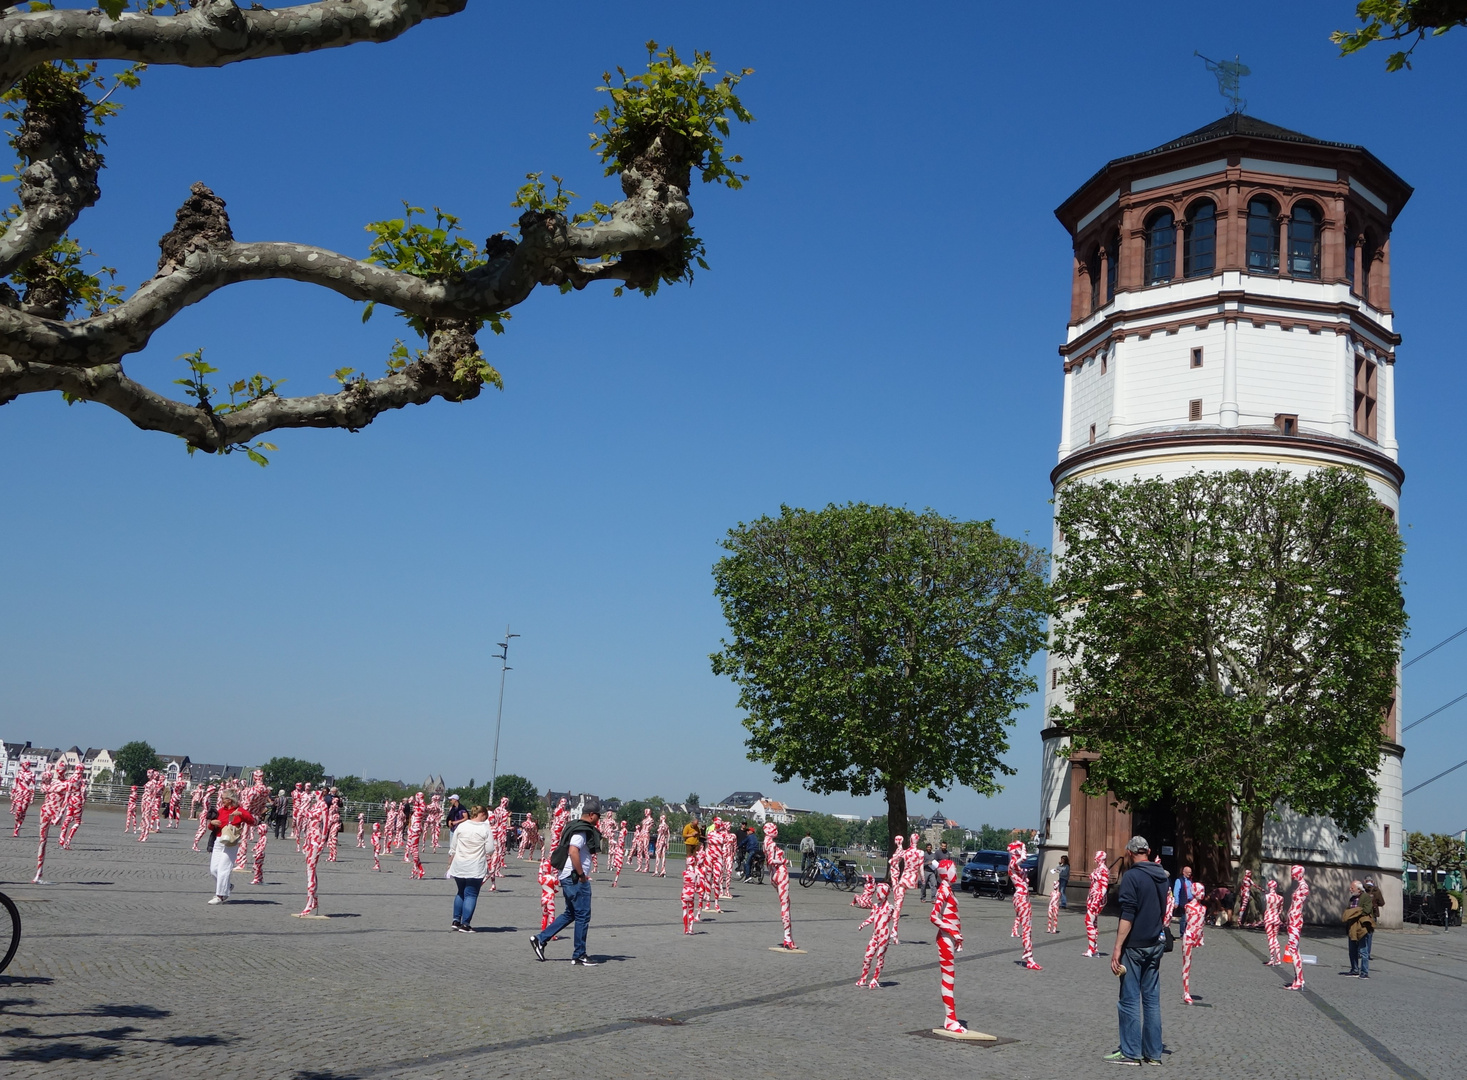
x,y
987,872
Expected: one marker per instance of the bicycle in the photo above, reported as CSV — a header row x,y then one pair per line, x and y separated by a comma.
x,y
14,912
843,875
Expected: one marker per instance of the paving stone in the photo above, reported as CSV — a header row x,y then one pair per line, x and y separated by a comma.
x,y
126,970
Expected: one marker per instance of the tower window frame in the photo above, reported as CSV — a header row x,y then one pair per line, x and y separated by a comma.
x,y
1092,434
1286,423
1197,356
1304,229
1367,396
1263,235
1199,239
1161,247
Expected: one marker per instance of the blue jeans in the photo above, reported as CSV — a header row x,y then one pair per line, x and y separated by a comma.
x,y
466,900
577,908
1360,954
1141,994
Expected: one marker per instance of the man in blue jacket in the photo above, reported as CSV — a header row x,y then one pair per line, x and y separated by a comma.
x,y
1136,957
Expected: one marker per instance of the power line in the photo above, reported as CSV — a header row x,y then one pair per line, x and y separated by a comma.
x,y
1434,648
1434,779
1433,712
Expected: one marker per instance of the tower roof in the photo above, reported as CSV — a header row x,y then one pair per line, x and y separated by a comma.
x,y
1236,135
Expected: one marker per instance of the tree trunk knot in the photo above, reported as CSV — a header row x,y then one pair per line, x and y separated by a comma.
x,y
201,222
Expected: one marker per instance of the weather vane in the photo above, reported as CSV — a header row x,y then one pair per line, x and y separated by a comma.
x,y
1228,73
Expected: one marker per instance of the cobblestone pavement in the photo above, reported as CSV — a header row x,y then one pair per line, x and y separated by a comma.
x,y
125,970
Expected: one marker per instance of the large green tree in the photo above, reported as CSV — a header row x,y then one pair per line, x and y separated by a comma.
x,y
287,772
1400,20
879,649
1435,853
135,759
1231,641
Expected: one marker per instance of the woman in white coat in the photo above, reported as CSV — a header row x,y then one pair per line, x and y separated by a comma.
x,y
468,852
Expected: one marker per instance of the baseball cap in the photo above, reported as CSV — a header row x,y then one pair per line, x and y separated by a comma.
x,y
1137,844
453,796
591,806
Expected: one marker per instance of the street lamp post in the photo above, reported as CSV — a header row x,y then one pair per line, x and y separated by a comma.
x,y
503,658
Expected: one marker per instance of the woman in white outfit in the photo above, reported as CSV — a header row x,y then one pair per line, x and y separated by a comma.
x,y
469,851
227,825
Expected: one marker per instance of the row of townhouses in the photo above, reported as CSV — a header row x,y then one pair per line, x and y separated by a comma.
x,y
100,763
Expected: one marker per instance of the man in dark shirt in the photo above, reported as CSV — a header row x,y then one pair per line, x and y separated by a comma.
x,y
1136,957
455,814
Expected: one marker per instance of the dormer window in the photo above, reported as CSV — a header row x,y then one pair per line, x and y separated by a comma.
x,y
1263,236
1199,243
1161,247
1303,241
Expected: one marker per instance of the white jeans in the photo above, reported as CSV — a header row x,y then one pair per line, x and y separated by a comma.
x,y
221,865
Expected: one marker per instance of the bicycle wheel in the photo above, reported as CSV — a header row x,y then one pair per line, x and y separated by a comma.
x,y
807,876
14,944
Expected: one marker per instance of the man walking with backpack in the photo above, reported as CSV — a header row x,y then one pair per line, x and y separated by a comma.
x,y
572,858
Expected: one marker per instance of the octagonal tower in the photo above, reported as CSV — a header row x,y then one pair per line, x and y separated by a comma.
x,y
1231,308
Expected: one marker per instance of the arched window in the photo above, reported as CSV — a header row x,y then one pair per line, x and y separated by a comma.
x,y
1161,247
1352,240
1113,252
1263,236
1092,271
1304,241
1199,244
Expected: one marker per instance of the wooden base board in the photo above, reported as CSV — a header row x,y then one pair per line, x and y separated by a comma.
x,y
781,948
299,916
965,1036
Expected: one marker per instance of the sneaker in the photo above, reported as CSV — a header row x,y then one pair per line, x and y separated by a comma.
x,y
1150,1061
586,961
464,928
1350,974
455,924
1119,1058
1364,976
217,900
537,947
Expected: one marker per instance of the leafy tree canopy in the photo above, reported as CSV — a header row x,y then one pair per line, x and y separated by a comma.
x,y
1232,640
878,649
1435,853
135,759
286,772
1400,20
524,797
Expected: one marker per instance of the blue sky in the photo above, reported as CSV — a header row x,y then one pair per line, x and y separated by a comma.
x,y
880,323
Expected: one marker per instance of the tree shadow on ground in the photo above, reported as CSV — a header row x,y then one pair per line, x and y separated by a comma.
x,y
26,980
62,1051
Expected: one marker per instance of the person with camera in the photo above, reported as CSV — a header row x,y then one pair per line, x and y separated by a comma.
x,y
572,857
227,826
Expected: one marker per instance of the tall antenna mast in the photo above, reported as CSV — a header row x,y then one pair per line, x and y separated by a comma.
x,y
1228,73
503,658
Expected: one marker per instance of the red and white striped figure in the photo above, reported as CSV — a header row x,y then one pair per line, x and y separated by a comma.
x,y
642,843
1296,923
148,807
606,826
663,834
499,824
155,803
435,820
690,895
130,823
1247,893
558,818
312,825
333,829
361,830
194,801
1273,909
548,877
779,869
1095,901
727,846
376,845
863,899
944,916
23,790
412,853
175,801
75,800
878,900
618,854
1023,908
203,829
1171,908
256,800
912,860
1051,922
876,949
53,807
710,866
1195,917
529,837
896,872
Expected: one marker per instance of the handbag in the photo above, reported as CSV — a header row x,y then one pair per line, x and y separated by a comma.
x,y
229,835
1171,938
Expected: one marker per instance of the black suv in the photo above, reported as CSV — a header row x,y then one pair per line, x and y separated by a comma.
x,y
987,872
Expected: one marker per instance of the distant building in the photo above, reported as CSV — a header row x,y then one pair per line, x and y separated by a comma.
x,y
741,800
96,762
763,809
174,766
10,760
